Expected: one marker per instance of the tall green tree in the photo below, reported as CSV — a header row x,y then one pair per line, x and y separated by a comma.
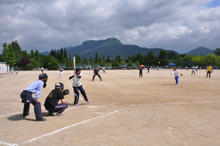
x,y
211,59
85,61
139,58
162,57
108,60
130,64
53,64
78,59
118,58
217,52
96,58
152,57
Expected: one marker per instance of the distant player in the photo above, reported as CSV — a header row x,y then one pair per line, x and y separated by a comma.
x,y
176,74
61,72
197,68
103,69
140,71
148,69
26,96
193,70
51,102
12,69
42,69
209,71
96,73
77,85
157,68
16,69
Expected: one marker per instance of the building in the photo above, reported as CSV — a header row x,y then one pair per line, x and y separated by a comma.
x,y
4,68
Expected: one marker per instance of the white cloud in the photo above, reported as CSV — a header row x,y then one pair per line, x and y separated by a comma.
x,y
170,24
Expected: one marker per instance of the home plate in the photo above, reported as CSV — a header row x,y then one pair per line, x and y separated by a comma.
x,y
92,106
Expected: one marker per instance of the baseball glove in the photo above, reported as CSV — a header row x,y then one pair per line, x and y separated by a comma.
x,y
65,92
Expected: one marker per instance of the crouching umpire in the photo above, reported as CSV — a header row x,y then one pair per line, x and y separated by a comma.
x,y
51,102
26,96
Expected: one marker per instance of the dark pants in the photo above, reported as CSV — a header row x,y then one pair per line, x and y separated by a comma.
x,y
208,73
98,76
59,108
193,72
80,88
26,95
140,73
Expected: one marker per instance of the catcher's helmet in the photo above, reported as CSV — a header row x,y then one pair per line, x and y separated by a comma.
x,y
43,76
59,85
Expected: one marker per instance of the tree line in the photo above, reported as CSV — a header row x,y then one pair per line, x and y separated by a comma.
x,y
13,55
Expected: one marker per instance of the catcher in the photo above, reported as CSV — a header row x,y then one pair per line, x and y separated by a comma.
x,y
51,102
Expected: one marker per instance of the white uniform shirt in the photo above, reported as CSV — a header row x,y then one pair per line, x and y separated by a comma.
x,y
77,80
193,68
176,73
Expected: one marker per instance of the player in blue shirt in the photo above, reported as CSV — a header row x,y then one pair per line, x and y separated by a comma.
x,y
26,96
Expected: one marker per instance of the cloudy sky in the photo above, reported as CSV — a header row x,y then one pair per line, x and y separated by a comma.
x,y
180,25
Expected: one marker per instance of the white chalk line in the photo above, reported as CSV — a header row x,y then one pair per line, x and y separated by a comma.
x,y
10,114
59,130
179,103
99,113
71,87
8,144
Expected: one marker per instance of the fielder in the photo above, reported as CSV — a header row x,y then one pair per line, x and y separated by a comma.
x,y
77,85
140,71
103,69
61,72
51,102
12,69
96,73
26,96
176,74
209,71
193,71
42,69
16,70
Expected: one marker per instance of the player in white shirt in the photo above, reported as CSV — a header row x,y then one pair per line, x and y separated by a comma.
x,y
77,85
61,72
176,74
193,70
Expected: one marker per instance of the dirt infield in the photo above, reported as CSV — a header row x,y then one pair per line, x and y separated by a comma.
x,y
124,110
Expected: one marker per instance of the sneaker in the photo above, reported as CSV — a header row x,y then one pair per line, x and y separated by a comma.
x,y
76,104
59,114
88,101
25,115
51,114
41,119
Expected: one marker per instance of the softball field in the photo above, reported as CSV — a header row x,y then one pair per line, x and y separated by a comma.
x,y
124,110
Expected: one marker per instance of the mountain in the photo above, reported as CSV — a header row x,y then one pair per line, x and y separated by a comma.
x,y
45,53
110,47
201,51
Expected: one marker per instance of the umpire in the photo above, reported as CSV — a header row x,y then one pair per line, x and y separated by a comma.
x,y
51,102
26,96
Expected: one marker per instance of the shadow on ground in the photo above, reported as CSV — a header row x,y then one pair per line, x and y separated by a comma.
x,y
19,117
